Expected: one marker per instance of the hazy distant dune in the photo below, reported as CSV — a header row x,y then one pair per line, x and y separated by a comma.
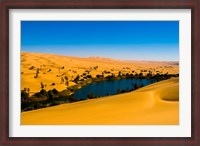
x,y
50,71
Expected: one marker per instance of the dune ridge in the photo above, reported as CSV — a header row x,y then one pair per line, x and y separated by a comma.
x,y
156,104
53,67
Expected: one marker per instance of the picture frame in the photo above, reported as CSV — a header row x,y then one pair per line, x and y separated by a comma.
x,y
99,4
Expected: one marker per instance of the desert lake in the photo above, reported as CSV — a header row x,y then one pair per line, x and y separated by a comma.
x,y
99,72
111,87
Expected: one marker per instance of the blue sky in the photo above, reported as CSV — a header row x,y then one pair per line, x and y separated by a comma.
x,y
125,40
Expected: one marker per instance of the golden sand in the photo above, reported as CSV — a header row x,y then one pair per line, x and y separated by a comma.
x,y
156,104
51,69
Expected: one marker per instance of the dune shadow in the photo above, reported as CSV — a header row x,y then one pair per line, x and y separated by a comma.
x,y
170,98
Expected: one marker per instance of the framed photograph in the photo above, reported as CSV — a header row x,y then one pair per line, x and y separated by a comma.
x,y
100,72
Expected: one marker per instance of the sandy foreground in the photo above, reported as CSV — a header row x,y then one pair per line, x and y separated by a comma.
x,y
156,104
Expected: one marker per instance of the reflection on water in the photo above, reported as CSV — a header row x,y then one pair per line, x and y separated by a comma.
x,y
111,87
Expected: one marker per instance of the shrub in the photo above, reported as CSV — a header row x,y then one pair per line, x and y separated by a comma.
x,y
106,72
55,91
76,79
113,75
149,75
141,74
37,71
39,95
43,92
95,67
64,93
36,76
87,71
29,108
82,80
67,83
24,95
38,105
99,76
42,85
66,78
62,80
89,76
71,99
130,76
31,68
50,95
136,75
54,103
119,74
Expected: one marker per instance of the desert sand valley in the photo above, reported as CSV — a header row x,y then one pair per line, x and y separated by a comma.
x,y
155,104
53,67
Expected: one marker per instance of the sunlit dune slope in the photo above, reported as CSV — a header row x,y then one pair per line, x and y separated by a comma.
x,y
155,104
52,68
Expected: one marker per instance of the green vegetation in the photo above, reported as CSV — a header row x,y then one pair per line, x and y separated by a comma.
x,y
44,99
53,97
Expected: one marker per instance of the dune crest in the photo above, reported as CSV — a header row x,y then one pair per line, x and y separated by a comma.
x,y
156,104
51,68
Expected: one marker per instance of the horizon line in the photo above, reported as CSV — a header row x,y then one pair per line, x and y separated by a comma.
x,y
102,57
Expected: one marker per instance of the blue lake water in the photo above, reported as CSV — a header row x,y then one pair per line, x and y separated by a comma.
x,y
110,87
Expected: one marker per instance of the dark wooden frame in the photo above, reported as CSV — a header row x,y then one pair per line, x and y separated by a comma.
x,y
194,5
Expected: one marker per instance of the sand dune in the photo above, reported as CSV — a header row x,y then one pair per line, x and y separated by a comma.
x,y
156,104
53,67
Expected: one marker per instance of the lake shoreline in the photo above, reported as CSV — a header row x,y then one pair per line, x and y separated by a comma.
x,y
139,107
68,93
